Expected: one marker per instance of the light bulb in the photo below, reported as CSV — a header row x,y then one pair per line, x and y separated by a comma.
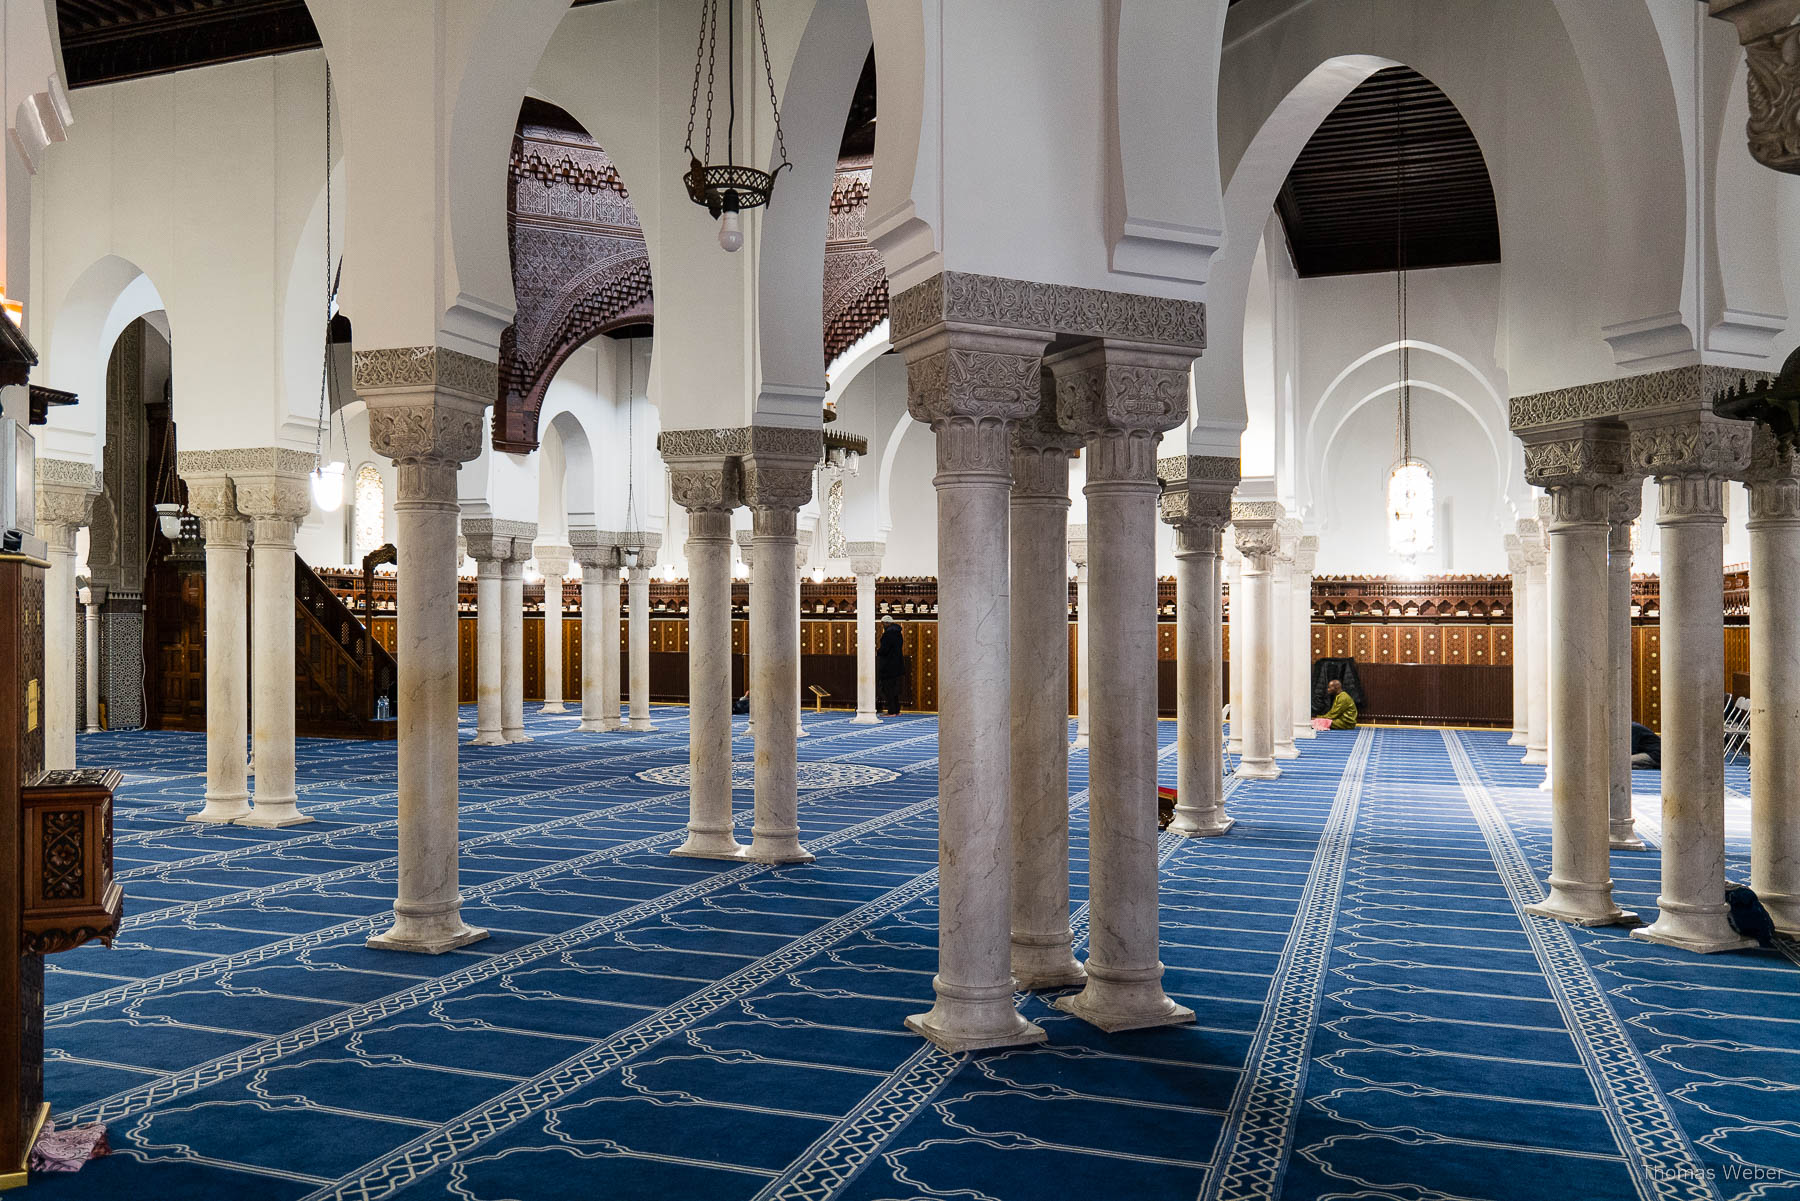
x,y
740,571
669,573
328,486
731,231
818,575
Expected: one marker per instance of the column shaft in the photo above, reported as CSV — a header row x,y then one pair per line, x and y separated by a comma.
x,y
709,687
1254,655
1281,677
774,660
272,655
428,909
1301,591
1199,803
866,640
553,643
1084,706
610,648
595,581
639,590
1231,636
1537,712
1519,633
227,672
1623,825
1774,704
1041,939
59,647
93,667
1692,913
512,646
490,661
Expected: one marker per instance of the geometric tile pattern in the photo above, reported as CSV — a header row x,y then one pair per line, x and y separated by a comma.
x,y
1375,1017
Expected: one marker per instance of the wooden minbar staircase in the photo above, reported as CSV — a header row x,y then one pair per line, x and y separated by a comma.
x,y
342,675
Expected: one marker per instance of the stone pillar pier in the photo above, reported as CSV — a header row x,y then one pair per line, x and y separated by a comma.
x,y
704,481
972,372
1232,639
1122,398
96,601
1582,469
1253,620
1197,502
1521,667
746,546
1306,554
1627,501
1042,956
1537,660
278,500
801,549
1691,455
1774,479
213,500
65,500
777,481
512,634
1078,554
594,550
553,562
426,412
865,561
612,647
638,590
1281,627
490,549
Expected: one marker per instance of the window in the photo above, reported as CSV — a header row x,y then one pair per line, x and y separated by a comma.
x,y
1410,512
369,514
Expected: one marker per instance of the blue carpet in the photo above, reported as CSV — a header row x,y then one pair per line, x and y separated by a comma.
x,y
1375,1017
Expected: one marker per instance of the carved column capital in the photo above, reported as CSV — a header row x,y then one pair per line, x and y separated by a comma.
x,y
1078,546
274,498
494,540
866,557
1306,554
1515,554
1693,443
410,426
1774,480
552,560
1257,542
1771,41
704,485
66,489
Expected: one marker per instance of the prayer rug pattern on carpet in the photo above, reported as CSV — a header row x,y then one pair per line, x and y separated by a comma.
x,y
1375,1017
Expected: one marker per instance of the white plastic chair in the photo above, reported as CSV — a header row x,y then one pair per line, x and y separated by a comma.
x,y
1737,728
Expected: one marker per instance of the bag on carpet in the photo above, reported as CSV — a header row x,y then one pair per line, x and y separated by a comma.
x,y
1748,917
66,1149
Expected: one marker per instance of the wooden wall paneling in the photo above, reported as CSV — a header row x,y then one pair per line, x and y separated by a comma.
x,y
534,657
466,644
1737,654
1074,668
572,661
1425,644
1455,648
1501,646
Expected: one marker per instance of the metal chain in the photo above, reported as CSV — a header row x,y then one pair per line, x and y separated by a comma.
x,y
325,366
694,96
712,45
769,74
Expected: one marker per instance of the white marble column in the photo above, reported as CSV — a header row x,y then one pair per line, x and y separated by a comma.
x,y
1197,502
427,433
1691,456
1774,669
1533,643
612,651
638,590
1257,541
1078,554
490,552
1627,500
970,385
96,599
213,499
1122,399
594,550
801,548
1581,468
553,562
746,547
1231,637
707,486
512,640
777,481
65,500
1042,955
1281,642
1306,553
278,501
865,561
1519,633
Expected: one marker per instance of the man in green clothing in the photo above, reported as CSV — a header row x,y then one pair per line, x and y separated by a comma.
x,y
1343,710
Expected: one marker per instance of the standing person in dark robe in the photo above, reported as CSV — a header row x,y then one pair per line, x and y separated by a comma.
x,y
890,668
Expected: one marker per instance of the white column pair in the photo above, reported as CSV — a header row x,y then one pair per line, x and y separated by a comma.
x,y
65,501
865,561
500,549
597,551
1254,635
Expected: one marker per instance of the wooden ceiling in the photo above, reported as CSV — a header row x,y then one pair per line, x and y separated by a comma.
x,y
108,40
1343,205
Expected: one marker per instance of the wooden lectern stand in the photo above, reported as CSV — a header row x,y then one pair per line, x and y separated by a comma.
x,y
56,885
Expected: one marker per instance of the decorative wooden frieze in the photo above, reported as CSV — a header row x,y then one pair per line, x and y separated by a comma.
x,y
70,895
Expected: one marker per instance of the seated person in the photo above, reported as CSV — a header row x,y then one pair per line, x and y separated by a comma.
x,y
1646,747
1342,713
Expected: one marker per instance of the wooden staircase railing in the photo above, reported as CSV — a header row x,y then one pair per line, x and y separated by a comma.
x,y
342,673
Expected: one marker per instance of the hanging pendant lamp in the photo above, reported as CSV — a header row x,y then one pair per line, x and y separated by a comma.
x,y
726,189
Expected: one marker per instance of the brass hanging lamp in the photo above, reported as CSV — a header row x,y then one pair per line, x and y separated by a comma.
x,y
726,189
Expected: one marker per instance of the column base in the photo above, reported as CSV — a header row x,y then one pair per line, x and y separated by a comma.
x,y
1258,769
1784,911
517,736
1624,837
800,730
1305,731
1044,963
1702,929
1115,1005
1234,747
865,719
783,848
430,933
1583,905
276,814
222,811
709,844
591,725
553,707
1201,827
488,738
1517,739
1080,743
1536,757
958,1024
1546,785
641,725
1288,751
